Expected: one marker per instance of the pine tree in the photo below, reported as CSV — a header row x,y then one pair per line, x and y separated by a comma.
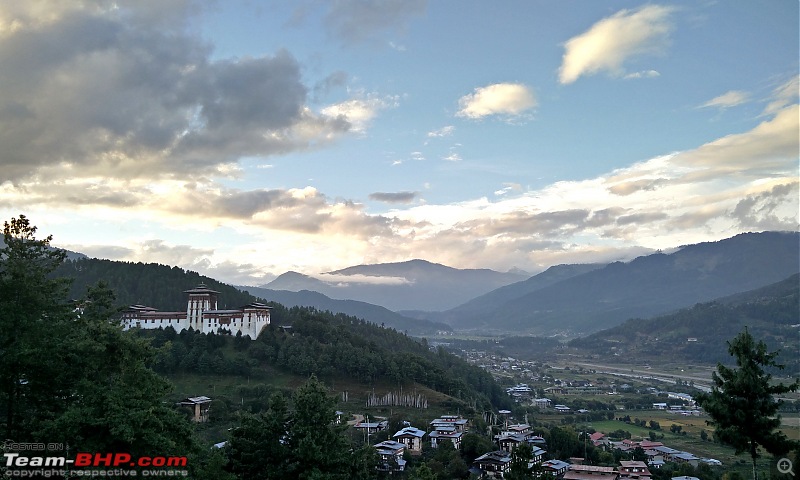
x,y
742,402
33,314
68,374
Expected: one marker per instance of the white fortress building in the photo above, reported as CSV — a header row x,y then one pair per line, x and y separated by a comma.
x,y
201,315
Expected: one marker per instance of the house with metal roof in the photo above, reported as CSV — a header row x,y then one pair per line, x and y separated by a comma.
x,y
411,437
493,464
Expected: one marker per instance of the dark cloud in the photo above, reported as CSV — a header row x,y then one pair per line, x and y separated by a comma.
x,y
110,92
545,224
762,211
396,197
358,21
332,81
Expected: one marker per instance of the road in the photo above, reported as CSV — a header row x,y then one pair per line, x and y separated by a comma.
x,y
701,383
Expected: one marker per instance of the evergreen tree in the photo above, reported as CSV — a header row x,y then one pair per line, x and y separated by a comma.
x,y
423,472
33,315
303,443
742,402
520,468
68,374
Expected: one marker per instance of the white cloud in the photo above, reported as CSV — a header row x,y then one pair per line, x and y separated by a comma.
x,y
442,132
728,99
609,43
360,111
784,95
504,99
642,74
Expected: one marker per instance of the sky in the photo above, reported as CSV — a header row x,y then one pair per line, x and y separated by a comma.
x,y
243,138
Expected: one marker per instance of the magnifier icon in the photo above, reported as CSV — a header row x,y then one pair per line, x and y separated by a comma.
x,y
785,466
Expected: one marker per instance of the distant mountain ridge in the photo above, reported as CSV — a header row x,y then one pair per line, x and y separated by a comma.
x,y
485,304
371,313
411,285
699,333
647,286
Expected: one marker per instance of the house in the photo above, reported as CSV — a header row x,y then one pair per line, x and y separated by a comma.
x,y
449,428
509,441
666,452
456,421
390,456
449,434
372,427
554,467
647,444
598,439
542,402
412,438
493,464
201,315
523,428
634,470
562,409
590,472
200,407
519,389
537,441
685,457
660,406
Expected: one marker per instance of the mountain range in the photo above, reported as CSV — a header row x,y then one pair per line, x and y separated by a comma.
x,y
411,285
569,300
566,300
644,287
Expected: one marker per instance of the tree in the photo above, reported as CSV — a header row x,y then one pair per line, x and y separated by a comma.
x,y
742,402
423,472
33,314
68,373
520,468
302,442
258,448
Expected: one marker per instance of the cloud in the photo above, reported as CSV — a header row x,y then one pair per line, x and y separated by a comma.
x,y
442,132
783,96
361,21
727,100
771,146
114,90
359,112
341,280
609,43
642,74
395,197
508,188
767,210
504,99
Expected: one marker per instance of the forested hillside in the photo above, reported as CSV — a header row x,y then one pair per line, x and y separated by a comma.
x,y
699,333
150,284
332,347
